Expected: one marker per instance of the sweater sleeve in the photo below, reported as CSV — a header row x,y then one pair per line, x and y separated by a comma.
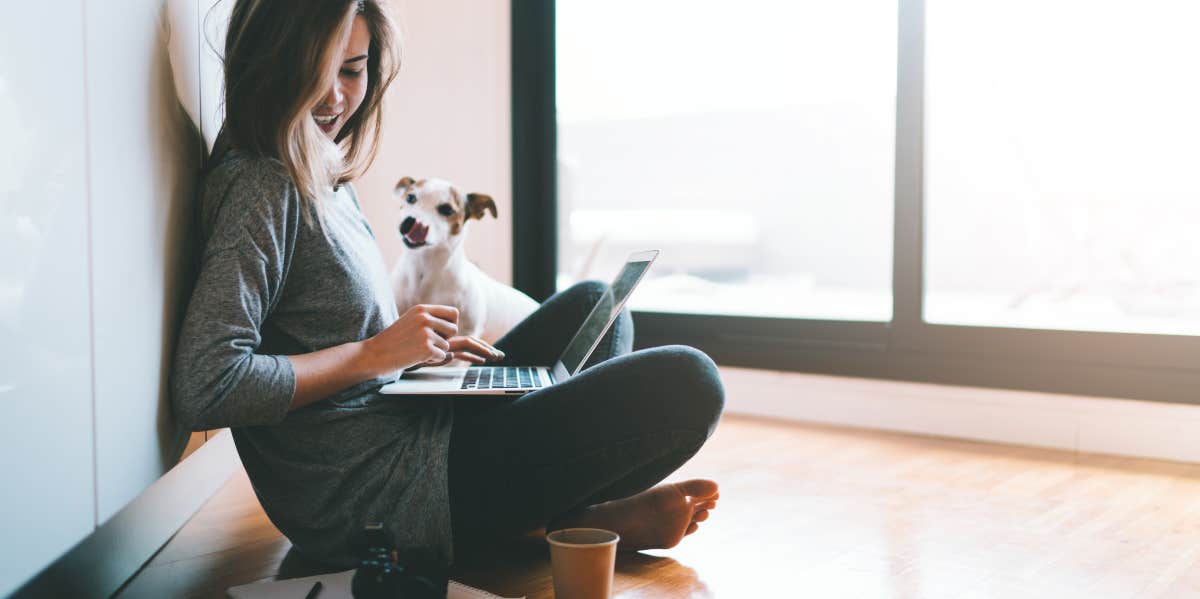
x,y
219,379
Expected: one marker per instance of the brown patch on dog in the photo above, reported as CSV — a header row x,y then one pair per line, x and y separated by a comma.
x,y
458,219
403,183
478,203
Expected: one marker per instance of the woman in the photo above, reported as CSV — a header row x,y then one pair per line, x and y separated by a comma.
x,y
291,330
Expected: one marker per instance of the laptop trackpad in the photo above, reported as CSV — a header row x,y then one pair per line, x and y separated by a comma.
x,y
434,374
427,380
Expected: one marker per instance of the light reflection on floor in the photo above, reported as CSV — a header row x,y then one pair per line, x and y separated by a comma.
x,y
847,514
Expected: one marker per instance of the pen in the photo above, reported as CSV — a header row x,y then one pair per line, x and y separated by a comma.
x,y
313,592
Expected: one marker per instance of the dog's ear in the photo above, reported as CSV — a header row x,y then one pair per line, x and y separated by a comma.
x,y
405,182
477,203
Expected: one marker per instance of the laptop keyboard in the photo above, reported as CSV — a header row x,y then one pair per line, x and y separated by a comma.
x,y
501,377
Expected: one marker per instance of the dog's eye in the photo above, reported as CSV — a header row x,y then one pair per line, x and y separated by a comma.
x,y
445,209
412,198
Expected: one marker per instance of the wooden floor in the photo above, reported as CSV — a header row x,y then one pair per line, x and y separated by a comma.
x,y
811,511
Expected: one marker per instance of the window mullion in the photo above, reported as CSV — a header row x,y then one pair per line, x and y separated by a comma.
x,y
908,248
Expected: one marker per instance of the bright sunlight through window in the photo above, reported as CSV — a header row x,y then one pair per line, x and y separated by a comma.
x,y
1062,146
751,142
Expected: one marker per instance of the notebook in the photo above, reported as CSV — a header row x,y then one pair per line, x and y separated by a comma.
x,y
334,586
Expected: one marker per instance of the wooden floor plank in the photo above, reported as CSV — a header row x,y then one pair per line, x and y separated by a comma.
x,y
825,512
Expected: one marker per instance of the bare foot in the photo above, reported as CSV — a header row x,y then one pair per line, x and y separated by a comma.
x,y
658,518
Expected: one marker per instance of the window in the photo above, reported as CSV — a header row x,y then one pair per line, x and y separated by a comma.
x,y
1062,144
750,145
953,191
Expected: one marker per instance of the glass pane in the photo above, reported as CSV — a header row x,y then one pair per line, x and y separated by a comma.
x,y
1062,143
751,142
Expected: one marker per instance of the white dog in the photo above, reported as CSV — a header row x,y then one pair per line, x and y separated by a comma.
x,y
434,269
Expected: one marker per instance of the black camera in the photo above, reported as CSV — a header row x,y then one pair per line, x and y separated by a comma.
x,y
386,572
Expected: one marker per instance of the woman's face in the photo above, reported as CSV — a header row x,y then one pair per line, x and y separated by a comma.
x,y
349,88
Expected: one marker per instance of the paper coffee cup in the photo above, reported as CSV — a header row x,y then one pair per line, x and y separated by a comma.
x,y
582,561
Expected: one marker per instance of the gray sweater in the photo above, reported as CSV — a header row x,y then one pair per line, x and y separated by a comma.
x,y
271,285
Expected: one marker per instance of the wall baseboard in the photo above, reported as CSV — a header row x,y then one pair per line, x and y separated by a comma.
x,y
98,565
1082,424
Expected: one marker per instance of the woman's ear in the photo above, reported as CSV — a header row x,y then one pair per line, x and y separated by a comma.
x,y
403,183
477,203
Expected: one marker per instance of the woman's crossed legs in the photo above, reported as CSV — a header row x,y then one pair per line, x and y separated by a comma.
x,y
587,451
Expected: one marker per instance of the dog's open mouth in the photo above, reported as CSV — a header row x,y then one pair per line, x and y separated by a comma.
x,y
413,233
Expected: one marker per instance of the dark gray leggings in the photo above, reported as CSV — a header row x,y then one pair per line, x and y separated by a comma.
x,y
618,427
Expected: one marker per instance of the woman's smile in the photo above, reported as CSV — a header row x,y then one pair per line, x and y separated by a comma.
x,y
327,122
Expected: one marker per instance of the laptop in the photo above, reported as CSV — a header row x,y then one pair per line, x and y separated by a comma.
x,y
519,380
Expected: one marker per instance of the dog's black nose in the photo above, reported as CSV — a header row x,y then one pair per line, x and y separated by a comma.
x,y
407,225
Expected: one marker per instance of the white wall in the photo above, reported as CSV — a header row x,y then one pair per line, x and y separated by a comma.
x,y
95,181
142,167
46,442
448,116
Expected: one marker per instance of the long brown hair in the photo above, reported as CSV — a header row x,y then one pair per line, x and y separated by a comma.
x,y
278,66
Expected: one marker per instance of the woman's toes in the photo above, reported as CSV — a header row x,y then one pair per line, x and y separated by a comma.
x,y
700,516
705,505
693,527
699,488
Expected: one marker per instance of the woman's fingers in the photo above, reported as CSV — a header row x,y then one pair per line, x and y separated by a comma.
x,y
473,350
450,357
445,358
442,319
447,313
469,349
444,328
470,357
476,346
442,360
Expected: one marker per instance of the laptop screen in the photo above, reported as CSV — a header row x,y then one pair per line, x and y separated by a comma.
x,y
605,312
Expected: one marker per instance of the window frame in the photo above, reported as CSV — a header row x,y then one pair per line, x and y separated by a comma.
x,y
1127,365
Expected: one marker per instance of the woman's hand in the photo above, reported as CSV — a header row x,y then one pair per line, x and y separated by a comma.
x,y
470,349
420,336
425,335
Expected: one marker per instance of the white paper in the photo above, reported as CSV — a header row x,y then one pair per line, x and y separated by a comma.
x,y
334,586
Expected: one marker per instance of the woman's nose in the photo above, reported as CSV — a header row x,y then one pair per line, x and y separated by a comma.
x,y
333,97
